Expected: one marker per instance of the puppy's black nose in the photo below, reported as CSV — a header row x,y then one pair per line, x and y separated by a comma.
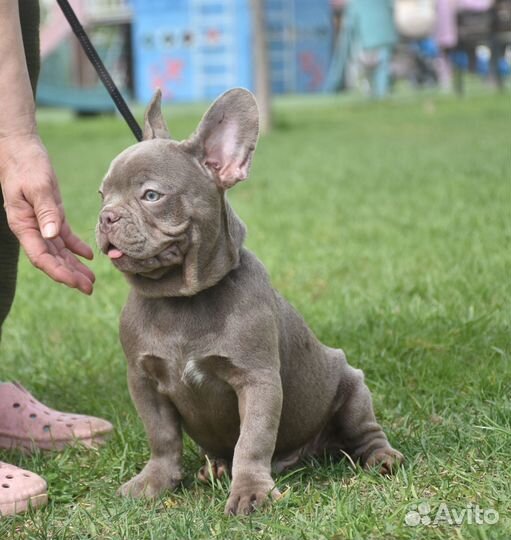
x,y
108,217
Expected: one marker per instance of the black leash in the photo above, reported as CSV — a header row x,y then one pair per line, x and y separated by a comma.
x,y
100,68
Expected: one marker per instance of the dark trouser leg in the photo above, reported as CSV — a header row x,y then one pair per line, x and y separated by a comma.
x,y
9,250
29,17
9,247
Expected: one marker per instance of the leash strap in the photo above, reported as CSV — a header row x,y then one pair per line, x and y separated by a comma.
x,y
100,68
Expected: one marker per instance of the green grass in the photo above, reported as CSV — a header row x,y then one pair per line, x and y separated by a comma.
x,y
387,226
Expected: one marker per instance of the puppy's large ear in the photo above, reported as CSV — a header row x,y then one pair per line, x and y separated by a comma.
x,y
155,126
227,136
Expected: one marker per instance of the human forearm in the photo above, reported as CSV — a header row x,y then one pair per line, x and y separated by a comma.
x,y
31,196
17,109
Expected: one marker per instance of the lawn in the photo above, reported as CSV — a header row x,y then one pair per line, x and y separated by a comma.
x,y
387,226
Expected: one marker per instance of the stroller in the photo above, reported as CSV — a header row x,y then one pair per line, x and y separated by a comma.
x,y
414,60
417,50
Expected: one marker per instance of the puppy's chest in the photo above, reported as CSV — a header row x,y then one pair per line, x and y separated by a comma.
x,y
178,369
176,349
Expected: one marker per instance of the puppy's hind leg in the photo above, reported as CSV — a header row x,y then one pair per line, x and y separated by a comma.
x,y
355,428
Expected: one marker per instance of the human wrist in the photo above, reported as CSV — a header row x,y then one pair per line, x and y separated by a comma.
x,y
19,144
24,126
18,110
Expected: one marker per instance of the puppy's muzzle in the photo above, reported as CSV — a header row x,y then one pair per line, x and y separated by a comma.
x,y
107,218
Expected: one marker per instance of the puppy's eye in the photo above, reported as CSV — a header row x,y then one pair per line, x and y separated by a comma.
x,y
151,196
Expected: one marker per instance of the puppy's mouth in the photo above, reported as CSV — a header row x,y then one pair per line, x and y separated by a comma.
x,y
153,265
113,252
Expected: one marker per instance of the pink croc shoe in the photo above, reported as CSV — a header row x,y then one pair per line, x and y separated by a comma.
x,y
20,489
26,423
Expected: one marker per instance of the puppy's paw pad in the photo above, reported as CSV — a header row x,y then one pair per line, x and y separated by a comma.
x,y
387,460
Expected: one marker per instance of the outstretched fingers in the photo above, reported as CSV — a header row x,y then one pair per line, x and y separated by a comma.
x,y
53,258
75,244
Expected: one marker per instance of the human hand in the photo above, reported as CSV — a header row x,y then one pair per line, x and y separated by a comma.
x,y
35,213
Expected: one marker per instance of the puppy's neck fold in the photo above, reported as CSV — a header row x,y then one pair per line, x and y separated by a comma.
x,y
214,251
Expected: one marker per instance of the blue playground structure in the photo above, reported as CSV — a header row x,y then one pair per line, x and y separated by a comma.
x,y
191,49
197,49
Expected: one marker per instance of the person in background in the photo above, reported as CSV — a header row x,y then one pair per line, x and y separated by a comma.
x,y
374,28
446,32
446,35
500,37
33,217
367,37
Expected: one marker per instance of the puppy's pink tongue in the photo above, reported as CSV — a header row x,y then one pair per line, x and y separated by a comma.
x,y
115,253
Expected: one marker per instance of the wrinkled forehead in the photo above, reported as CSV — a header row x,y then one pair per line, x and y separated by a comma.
x,y
157,159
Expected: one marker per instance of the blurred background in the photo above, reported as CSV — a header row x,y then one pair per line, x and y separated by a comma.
x,y
196,49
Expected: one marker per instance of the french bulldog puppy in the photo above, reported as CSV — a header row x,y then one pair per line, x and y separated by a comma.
x,y
212,348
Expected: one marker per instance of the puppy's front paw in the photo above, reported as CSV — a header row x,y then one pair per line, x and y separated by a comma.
x,y
387,459
249,493
151,482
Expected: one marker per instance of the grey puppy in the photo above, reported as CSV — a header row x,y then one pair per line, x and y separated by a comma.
x,y
212,348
